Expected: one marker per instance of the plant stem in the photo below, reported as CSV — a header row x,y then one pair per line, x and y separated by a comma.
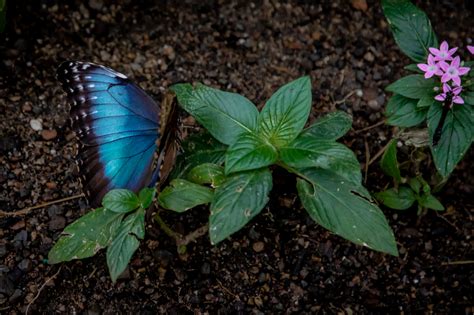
x,y
293,170
168,231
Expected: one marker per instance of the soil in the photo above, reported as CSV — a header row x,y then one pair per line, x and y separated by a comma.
x,y
282,262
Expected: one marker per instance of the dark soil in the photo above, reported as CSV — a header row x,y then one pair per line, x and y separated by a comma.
x,y
282,262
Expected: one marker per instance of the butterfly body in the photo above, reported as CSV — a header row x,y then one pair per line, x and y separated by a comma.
x,y
118,125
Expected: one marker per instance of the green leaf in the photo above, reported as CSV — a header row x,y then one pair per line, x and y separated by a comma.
x,y
121,200
456,136
182,195
207,173
146,197
411,28
430,202
308,151
125,243
389,162
241,197
468,97
331,126
413,67
249,152
426,101
3,14
86,236
413,86
403,112
286,112
346,209
399,200
198,149
415,185
225,115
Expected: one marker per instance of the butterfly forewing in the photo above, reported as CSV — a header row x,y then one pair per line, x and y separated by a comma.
x,y
117,124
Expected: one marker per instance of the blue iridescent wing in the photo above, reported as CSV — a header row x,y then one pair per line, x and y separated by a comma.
x,y
117,124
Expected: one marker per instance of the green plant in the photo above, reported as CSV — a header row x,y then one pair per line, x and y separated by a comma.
x,y
406,191
436,98
227,166
232,174
3,14
118,226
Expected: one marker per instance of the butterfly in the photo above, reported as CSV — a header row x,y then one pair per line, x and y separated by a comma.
x,y
123,133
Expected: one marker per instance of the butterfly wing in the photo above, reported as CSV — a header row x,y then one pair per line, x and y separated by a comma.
x,y
117,124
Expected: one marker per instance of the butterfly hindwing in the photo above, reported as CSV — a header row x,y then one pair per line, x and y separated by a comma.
x,y
117,124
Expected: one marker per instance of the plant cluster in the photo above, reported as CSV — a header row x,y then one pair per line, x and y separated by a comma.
x,y
229,165
407,190
441,96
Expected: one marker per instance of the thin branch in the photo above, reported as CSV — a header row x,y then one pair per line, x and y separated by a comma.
x,y
25,211
459,262
41,289
370,127
379,153
367,159
193,236
344,99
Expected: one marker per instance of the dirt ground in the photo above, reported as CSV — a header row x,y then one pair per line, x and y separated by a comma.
x,y
282,262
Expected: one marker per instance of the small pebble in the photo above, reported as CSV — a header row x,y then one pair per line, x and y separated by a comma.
x,y
360,5
49,134
36,125
258,246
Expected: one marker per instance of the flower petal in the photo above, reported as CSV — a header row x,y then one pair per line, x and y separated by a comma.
x,y
452,51
446,77
434,51
444,46
458,100
443,65
457,90
439,72
431,60
471,49
456,80
446,88
428,74
463,70
456,62
422,66
440,97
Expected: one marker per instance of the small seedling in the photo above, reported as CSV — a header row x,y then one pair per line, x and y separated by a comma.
x,y
439,95
406,191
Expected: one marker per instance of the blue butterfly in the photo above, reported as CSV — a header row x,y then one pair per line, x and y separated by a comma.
x,y
118,125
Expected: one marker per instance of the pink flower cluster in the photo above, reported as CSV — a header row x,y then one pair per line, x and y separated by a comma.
x,y
438,66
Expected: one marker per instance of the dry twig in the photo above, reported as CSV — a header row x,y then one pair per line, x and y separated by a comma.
x,y
41,289
25,211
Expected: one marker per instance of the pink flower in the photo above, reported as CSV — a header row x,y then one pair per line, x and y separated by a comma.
x,y
443,53
471,49
448,91
453,71
431,68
